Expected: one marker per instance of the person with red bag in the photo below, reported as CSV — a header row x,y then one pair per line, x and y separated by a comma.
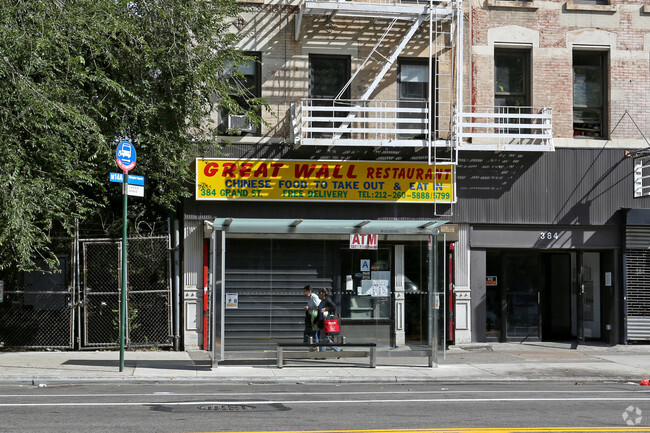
x,y
328,321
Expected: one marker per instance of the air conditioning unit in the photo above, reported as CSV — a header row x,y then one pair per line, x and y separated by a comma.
x,y
239,122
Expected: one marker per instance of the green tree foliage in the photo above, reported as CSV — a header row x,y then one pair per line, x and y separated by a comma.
x,y
78,76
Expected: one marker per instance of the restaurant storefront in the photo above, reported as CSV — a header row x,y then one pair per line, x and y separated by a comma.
x,y
386,274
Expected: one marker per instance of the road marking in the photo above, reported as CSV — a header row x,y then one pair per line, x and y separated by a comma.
x,y
307,393
311,402
473,430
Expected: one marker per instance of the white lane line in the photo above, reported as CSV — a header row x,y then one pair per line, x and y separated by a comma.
x,y
308,393
310,402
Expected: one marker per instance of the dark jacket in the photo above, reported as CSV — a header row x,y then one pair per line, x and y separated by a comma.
x,y
330,309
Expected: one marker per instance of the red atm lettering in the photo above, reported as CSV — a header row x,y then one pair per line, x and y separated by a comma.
x,y
363,241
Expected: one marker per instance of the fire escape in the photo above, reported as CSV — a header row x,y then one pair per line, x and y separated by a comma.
x,y
441,124
379,123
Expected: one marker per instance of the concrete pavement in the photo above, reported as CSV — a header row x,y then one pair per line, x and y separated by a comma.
x,y
464,363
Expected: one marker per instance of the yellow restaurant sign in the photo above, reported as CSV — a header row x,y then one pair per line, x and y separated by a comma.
x,y
308,180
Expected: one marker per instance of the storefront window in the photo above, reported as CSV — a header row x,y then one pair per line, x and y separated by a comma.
x,y
265,302
366,293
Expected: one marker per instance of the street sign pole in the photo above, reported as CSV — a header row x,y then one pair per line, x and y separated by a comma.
x,y
123,289
125,158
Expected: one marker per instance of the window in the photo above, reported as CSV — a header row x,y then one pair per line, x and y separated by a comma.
x,y
511,78
512,87
413,80
591,2
328,75
250,82
589,93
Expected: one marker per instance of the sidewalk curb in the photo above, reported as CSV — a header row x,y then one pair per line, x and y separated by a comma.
x,y
35,381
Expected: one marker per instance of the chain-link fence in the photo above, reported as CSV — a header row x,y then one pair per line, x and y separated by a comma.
x,y
100,292
148,321
149,296
36,309
40,310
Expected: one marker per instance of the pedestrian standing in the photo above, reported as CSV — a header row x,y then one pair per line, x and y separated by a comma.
x,y
311,315
326,308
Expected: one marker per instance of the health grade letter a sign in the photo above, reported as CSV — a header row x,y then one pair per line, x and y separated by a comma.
x,y
325,180
363,242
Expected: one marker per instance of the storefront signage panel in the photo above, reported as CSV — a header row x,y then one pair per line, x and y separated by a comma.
x,y
363,242
306,180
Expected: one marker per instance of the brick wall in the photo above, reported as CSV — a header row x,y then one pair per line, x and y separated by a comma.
x,y
622,33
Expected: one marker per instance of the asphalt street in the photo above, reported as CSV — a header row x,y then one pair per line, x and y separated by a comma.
x,y
376,408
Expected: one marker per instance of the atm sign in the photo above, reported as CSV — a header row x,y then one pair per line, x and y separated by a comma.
x,y
363,242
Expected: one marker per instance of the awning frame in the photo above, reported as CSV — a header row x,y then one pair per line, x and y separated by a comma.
x,y
327,226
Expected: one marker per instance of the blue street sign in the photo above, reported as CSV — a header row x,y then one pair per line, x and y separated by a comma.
x,y
133,179
125,156
136,180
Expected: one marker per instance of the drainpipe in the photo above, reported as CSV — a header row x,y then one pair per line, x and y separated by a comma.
x,y
76,286
177,284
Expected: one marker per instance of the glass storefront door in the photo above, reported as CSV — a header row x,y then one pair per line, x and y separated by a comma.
x,y
366,295
513,284
532,295
522,291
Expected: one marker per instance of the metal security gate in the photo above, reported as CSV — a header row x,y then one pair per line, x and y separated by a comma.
x,y
78,306
149,306
100,293
637,282
36,311
638,295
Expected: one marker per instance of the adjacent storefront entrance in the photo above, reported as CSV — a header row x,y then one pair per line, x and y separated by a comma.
x,y
535,284
550,296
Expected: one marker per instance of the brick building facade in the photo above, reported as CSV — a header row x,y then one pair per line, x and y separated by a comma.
x,y
533,105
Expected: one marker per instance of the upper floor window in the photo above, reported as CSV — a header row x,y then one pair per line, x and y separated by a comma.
x,y
248,80
591,2
413,93
328,78
511,78
328,75
589,89
414,79
512,88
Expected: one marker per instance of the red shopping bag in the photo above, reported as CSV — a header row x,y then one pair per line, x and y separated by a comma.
x,y
331,325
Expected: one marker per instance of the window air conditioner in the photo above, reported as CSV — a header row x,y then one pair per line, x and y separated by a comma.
x,y
239,122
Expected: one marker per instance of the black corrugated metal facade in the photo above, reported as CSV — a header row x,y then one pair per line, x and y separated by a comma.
x,y
568,192
568,186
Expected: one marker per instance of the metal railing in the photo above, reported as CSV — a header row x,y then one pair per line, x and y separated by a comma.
x,y
505,128
375,123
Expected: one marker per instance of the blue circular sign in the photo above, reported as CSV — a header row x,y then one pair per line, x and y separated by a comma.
x,y
125,156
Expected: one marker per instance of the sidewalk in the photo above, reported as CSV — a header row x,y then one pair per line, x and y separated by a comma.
x,y
467,363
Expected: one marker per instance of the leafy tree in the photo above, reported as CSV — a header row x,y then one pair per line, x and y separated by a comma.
x,y
78,76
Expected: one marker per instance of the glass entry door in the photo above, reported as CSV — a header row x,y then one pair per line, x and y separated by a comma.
x,y
366,295
513,284
522,285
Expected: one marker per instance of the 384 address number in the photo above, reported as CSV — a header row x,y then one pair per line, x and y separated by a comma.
x,y
549,235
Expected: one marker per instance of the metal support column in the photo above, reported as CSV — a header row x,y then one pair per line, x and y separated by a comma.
x,y
217,305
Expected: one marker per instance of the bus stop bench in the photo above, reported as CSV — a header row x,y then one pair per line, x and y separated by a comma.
x,y
365,349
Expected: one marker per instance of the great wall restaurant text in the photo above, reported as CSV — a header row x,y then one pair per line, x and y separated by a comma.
x,y
317,180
